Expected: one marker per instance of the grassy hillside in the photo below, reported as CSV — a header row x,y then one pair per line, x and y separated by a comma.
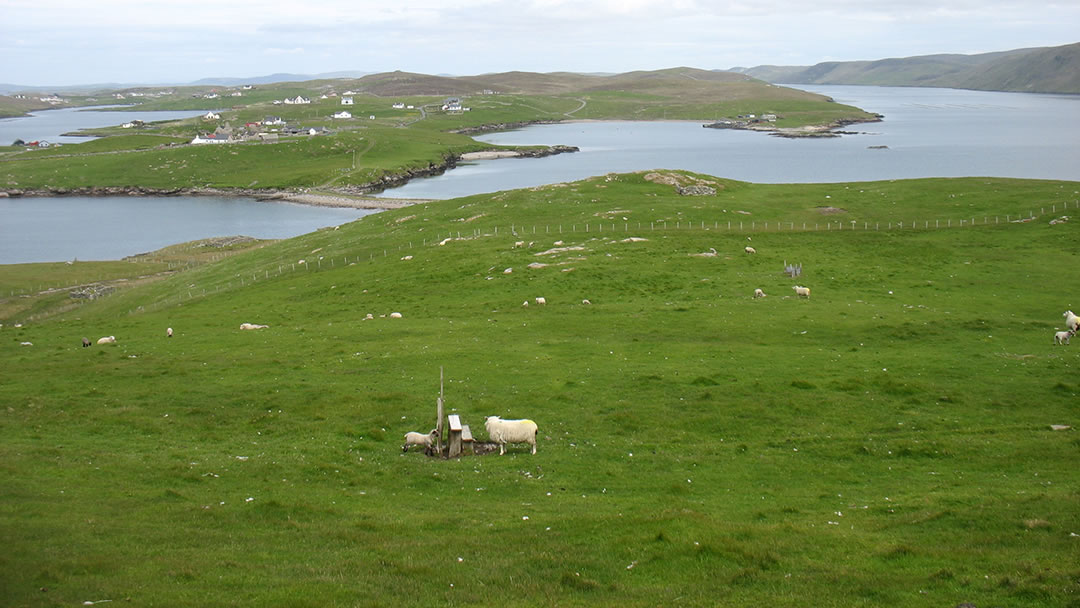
x,y
380,140
1038,70
885,442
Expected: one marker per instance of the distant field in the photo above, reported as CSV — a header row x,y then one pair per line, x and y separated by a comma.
x,y
886,442
381,141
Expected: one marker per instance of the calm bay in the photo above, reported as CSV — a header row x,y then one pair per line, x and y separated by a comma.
x,y
55,229
926,133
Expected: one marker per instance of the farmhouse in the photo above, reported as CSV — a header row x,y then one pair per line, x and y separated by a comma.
x,y
341,114
298,100
346,101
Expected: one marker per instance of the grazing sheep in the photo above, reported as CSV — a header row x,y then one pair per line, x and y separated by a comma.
x,y
759,294
503,432
1062,337
168,332
749,249
586,302
711,253
395,315
252,326
107,340
1071,320
519,244
413,438
85,343
541,301
802,291
369,317
525,304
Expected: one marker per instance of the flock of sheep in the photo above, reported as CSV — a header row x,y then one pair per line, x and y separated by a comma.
x,y
499,431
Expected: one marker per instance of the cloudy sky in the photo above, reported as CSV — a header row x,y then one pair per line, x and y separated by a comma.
x,y
67,42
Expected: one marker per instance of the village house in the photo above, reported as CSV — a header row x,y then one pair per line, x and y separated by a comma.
x,y
346,101
398,106
211,116
342,114
298,100
273,120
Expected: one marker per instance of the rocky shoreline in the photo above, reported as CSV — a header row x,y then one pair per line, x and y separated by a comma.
x,y
355,197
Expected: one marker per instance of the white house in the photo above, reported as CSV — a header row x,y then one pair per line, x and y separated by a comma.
x,y
346,101
211,116
273,120
342,114
398,106
211,138
298,100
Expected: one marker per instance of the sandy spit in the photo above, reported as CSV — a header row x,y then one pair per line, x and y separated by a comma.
x,y
331,200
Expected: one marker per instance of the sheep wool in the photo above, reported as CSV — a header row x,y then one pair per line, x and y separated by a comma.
x,y
503,432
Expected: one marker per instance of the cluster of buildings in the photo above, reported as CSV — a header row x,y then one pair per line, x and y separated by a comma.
x,y
256,131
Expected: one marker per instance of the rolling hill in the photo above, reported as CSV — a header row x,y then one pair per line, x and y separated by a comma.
x,y
1035,70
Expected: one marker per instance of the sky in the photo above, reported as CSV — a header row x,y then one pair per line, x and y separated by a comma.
x,y
73,42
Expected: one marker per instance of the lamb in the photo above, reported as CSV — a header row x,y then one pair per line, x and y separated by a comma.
x,y
759,294
1062,337
168,332
525,304
540,301
252,326
413,438
395,315
519,244
586,302
749,249
802,291
107,340
85,342
503,432
1071,320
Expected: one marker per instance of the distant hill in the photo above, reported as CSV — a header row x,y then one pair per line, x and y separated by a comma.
x,y
1036,70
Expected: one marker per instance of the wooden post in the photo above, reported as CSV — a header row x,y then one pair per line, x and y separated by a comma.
x,y
439,413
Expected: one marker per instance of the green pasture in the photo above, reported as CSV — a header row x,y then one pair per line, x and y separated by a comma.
x,y
886,442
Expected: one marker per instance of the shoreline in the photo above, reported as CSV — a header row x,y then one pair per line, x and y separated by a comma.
x,y
314,199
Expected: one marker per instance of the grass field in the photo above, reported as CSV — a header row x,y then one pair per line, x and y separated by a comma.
x,y
886,442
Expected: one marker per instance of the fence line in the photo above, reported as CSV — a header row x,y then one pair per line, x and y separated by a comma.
x,y
599,227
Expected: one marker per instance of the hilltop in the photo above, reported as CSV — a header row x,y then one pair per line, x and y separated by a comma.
x,y
1035,70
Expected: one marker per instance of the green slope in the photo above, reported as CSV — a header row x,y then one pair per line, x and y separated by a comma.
x,y
1038,70
886,442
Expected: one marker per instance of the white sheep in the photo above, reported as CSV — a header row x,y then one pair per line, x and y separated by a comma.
x,y
540,301
107,340
749,249
1071,320
525,304
395,315
759,294
1062,337
413,438
802,291
586,302
168,332
519,244
252,326
503,432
